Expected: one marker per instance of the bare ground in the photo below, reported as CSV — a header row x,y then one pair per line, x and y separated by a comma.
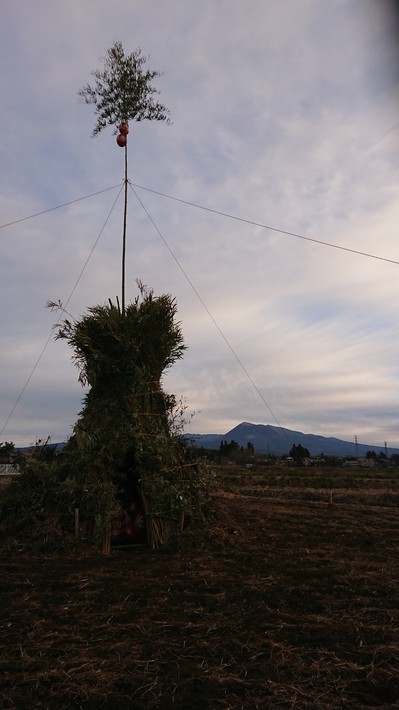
x,y
278,602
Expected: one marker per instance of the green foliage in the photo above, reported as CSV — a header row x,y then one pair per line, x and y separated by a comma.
x,y
229,449
299,452
50,487
235,452
7,449
42,450
123,90
30,495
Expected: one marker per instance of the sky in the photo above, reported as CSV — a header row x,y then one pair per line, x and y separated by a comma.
x,y
284,115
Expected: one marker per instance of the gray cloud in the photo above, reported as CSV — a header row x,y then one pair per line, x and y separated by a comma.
x,y
283,113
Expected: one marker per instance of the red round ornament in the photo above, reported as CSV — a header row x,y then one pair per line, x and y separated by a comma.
x,y
124,129
121,140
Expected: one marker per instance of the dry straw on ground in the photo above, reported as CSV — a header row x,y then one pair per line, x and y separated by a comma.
x,y
274,604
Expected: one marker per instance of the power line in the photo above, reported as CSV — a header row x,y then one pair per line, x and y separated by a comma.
x,y
57,207
94,246
206,309
59,317
287,233
265,226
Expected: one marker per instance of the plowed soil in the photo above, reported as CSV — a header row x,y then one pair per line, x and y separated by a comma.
x,y
275,603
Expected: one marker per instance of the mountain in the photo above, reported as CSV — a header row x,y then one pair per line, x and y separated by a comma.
x,y
277,441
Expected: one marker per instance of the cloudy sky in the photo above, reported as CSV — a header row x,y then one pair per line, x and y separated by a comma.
x,y
284,114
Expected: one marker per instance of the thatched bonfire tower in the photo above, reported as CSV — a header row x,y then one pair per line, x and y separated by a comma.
x,y
126,436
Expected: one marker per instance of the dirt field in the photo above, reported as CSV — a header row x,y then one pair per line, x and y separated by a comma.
x,y
282,601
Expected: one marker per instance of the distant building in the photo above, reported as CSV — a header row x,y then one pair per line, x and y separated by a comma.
x,y
9,469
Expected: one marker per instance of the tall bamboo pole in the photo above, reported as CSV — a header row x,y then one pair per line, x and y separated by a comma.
x,y
124,236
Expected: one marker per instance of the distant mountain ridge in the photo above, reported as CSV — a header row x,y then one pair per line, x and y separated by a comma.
x,y
277,441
